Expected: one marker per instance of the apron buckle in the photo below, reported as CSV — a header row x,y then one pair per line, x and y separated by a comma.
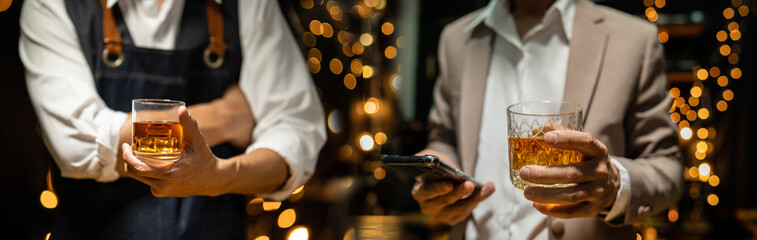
x,y
212,64
112,63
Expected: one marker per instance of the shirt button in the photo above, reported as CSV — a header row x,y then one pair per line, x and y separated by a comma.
x,y
558,228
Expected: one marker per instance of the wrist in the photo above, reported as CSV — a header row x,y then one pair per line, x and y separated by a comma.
x,y
226,172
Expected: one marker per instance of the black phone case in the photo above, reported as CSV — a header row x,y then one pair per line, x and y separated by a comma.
x,y
429,167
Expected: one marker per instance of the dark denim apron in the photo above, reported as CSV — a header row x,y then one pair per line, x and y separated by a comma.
x,y
125,209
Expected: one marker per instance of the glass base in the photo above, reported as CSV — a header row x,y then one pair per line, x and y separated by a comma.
x,y
522,184
158,158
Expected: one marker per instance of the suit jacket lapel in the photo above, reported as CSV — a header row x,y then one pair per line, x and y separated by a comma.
x,y
587,50
473,83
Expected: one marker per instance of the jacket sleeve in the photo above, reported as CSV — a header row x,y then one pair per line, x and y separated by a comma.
x,y
653,158
442,135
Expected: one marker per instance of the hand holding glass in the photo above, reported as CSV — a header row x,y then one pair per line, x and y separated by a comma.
x,y
527,124
157,135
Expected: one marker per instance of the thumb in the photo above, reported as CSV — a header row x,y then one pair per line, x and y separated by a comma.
x,y
192,136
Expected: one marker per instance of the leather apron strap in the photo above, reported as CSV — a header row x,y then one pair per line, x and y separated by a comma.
x,y
216,44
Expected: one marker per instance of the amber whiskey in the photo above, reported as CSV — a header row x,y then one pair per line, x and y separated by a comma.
x,y
534,151
159,141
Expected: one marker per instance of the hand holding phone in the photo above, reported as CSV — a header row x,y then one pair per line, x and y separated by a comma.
x,y
445,193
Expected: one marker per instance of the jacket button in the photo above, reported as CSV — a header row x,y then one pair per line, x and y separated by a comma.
x,y
558,228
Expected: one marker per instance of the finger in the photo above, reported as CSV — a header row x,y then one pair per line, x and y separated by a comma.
x,y
152,182
423,191
571,173
139,168
461,191
563,195
575,140
576,210
192,136
465,206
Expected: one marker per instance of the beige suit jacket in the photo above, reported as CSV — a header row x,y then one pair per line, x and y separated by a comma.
x,y
615,70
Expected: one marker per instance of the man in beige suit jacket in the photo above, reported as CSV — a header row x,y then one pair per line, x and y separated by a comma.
x,y
615,71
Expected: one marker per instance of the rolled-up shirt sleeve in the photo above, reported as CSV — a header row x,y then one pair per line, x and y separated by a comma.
x,y
80,131
280,91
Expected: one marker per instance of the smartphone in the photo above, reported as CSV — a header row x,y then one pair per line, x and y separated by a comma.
x,y
429,167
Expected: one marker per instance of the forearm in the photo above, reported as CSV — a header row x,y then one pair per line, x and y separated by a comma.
x,y
258,172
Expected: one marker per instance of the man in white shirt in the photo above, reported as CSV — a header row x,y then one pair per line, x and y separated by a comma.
x,y
559,50
237,67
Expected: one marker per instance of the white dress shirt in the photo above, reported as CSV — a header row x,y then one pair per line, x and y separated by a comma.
x,y
529,69
83,133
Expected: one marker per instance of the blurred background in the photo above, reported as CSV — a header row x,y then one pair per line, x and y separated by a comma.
x,y
374,65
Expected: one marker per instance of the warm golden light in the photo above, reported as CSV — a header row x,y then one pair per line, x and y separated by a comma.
x,y
287,218
685,109
659,3
306,4
733,26
380,138
371,106
735,73
336,66
679,101
721,36
367,71
675,117
735,35
651,14
696,91
702,74
701,145
693,101
648,3
663,37
316,27
308,39
357,48
366,142
714,72
736,3
638,236
366,39
387,28
299,233
722,81
379,173
714,180
733,58
314,53
298,190
262,238
743,10
683,124
349,234
702,133
693,172
703,113
356,66
713,199
686,133
728,95
674,92
327,30
47,237
349,81
725,50
390,52
271,205
673,215
691,115
314,65
721,106
347,50
700,155
728,13
48,199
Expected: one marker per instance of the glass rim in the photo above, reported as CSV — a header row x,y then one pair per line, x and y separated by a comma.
x,y
579,108
157,101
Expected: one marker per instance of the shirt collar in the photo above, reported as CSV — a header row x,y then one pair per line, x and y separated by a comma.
x,y
497,12
110,3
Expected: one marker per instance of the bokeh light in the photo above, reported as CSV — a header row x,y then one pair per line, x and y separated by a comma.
x,y
287,218
48,199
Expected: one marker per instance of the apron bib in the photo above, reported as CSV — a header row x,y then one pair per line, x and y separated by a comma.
x,y
126,209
